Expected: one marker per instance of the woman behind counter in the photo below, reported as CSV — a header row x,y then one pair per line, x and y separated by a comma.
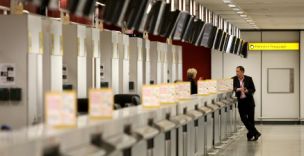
x,y
191,76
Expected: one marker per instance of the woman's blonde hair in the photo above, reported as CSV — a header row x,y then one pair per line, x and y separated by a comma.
x,y
191,73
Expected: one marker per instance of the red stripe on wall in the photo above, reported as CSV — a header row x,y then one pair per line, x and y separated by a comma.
x,y
196,57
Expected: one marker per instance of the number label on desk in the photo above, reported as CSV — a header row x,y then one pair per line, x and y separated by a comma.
x,y
101,103
61,109
150,96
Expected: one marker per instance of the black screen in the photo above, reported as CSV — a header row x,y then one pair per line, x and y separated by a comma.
x,y
89,7
245,50
152,17
189,30
218,39
198,27
226,42
168,23
180,25
208,35
113,10
135,13
232,44
223,41
237,45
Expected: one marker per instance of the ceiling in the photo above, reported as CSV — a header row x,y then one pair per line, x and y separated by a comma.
x,y
261,14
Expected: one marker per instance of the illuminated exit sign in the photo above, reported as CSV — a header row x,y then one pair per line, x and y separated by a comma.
x,y
273,46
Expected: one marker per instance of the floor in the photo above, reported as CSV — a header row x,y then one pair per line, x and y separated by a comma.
x,y
276,140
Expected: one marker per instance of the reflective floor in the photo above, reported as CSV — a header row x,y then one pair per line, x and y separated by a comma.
x,y
276,140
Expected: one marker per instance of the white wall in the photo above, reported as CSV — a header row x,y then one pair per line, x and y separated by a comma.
x,y
268,106
302,77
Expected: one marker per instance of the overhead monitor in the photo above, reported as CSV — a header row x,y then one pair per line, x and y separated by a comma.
x,y
198,27
115,11
223,41
135,13
237,45
226,43
245,50
208,35
232,45
189,30
153,18
219,36
180,25
229,44
168,22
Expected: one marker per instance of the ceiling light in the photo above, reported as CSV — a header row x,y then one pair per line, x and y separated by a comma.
x,y
227,1
249,20
236,9
240,12
243,15
231,5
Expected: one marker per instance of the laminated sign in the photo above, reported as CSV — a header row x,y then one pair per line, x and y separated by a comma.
x,y
61,109
202,87
150,96
101,103
167,94
183,90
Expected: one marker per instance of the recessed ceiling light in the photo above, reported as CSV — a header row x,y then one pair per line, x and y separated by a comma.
x,y
231,5
240,12
243,15
236,9
227,1
249,20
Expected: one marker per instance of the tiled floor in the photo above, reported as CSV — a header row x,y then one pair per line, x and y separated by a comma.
x,y
276,140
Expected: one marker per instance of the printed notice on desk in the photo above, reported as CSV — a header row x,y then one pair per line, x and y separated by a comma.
x,y
212,86
202,87
167,94
150,96
183,90
101,103
61,109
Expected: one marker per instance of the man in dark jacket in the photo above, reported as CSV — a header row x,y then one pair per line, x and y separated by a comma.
x,y
244,89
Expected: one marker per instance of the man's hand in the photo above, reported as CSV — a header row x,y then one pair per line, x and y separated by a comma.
x,y
245,90
240,89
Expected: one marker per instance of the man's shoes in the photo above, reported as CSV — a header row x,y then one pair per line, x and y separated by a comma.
x,y
256,136
249,137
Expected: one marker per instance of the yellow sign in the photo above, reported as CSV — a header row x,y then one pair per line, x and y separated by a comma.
x,y
273,46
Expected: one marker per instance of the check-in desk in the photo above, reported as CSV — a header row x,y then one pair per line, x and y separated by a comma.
x,y
165,142
187,127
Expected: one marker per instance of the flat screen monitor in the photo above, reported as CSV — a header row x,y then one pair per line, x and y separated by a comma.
x,y
237,45
233,44
226,43
89,7
189,30
222,45
229,44
168,22
245,50
135,13
240,47
180,25
208,35
114,11
197,28
152,17
218,39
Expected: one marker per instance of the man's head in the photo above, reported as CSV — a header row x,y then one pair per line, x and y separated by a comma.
x,y
240,70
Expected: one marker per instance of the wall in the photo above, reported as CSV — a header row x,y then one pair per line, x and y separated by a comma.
x,y
302,77
270,107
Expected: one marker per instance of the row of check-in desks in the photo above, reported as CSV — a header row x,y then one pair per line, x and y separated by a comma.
x,y
199,126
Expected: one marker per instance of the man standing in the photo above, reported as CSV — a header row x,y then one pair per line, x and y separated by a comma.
x,y
244,89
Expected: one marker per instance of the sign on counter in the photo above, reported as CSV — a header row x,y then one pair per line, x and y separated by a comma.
x,y
101,103
183,90
167,94
150,96
202,87
61,109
